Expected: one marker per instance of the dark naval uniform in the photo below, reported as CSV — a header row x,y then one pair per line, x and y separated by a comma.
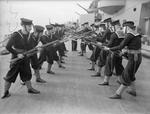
x,y
18,44
105,39
33,42
133,43
48,53
96,51
114,60
83,45
104,53
61,48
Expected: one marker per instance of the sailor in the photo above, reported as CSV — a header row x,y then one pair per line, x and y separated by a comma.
x,y
104,40
83,45
50,51
61,47
90,46
113,58
96,51
17,45
33,42
133,43
74,41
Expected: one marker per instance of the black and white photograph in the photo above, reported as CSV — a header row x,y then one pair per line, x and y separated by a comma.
x,y
74,56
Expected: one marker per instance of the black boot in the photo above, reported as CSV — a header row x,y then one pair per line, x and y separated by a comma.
x,y
40,80
50,72
115,96
133,93
92,69
61,66
6,94
96,75
33,91
104,84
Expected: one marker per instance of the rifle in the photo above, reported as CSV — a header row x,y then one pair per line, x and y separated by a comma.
x,y
61,41
86,35
118,52
35,50
79,35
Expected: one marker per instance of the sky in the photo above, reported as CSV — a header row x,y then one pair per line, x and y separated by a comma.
x,y
41,12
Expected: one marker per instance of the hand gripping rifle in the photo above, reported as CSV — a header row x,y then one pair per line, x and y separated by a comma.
x,y
65,39
92,41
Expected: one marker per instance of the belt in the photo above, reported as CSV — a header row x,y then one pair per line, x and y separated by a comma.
x,y
134,51
19,50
